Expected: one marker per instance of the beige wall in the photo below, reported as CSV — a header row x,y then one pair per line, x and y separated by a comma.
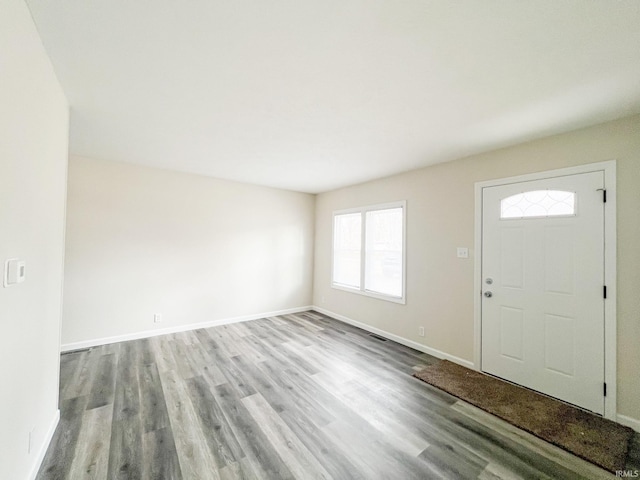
x,y
195,249
440,217
33,166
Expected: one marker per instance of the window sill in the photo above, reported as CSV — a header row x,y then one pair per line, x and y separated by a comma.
x,y
368,293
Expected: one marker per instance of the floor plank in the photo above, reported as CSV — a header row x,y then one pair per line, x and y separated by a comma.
x,y
196,461
288,446
91,460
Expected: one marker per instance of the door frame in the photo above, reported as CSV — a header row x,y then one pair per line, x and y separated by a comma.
x,y
610,255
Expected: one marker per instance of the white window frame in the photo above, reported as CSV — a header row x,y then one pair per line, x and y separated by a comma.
x,y
363,212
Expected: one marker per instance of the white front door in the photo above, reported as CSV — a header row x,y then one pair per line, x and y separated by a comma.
x,y
543,286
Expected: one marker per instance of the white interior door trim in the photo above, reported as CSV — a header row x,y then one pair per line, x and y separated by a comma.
x,y
610,319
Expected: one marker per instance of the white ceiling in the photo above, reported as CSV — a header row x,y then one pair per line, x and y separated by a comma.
x,y
314,95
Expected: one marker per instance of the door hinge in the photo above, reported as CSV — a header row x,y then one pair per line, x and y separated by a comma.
x,y
605,389
604,194
604,291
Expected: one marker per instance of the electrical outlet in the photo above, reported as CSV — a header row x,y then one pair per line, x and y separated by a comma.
x,y
157,318
421,331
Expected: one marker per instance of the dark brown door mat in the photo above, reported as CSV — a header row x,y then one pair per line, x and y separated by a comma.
x,y
596,439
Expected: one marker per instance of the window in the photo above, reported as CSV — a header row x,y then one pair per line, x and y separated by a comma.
x,y
368,251
538,203
347,243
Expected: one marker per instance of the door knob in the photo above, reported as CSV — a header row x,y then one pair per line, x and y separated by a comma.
x,y
488,294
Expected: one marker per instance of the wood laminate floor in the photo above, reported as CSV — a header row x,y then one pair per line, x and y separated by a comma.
x,y
292,397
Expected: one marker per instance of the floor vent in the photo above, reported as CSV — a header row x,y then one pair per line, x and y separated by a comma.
x,y
378,337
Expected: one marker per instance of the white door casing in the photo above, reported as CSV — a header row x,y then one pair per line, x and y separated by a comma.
x,y
547,325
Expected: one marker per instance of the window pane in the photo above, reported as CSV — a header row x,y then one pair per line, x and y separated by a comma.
x,y
384,243
347,242
538,203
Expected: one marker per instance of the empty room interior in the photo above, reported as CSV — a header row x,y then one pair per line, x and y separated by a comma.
x,y
295,240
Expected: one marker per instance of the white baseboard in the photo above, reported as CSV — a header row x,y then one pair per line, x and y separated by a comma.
x,y
180,328
396,338
629,422
45,446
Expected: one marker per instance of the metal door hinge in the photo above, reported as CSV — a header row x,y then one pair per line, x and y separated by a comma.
x,y
604,194
605,389
604,291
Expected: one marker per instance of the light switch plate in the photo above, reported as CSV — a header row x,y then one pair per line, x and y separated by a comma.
x,y
14,271
463,252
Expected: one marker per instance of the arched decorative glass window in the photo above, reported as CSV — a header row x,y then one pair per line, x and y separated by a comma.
x,y
538,203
